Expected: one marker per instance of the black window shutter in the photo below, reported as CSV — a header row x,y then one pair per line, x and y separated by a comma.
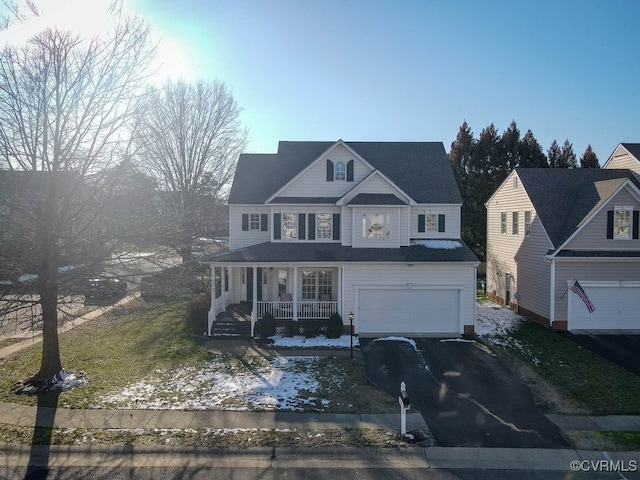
x,y
301,227
441,223
264,226
350,171
336,226
277,230
610,224
636,217
329,171
245,222
312,226
421,223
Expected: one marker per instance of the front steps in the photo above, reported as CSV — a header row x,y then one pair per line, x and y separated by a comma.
x,y
234,323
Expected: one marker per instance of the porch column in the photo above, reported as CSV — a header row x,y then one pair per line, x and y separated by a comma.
x,y
231,300
223,288
295,294
254,309
339,291
212,311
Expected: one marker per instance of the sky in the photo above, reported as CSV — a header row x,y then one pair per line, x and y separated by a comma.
x,y
411,70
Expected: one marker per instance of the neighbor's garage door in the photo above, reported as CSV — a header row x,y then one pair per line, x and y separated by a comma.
x,y
617,308
409,312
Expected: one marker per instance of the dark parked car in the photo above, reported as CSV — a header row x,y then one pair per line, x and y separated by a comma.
x,y
106,287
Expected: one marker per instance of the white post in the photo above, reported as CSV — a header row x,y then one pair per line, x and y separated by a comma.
x,y
295,294
254,309
403,400
212,311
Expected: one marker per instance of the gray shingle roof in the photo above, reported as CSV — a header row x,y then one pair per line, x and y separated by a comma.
x,y
564,198
316,200
285,252
376,199
421,169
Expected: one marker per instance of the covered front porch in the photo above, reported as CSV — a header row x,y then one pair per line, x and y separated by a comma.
x,y
288,292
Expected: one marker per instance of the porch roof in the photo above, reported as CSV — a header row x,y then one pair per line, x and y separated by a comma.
x,y
289,252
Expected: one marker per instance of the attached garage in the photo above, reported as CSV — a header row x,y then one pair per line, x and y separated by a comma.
x,y
409,311
617,307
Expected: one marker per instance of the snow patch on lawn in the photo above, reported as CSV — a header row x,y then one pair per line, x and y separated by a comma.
x,y
66,381
321,341
495,323
398,339
283,383
438,244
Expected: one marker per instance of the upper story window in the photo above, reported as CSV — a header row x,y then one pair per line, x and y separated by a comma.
x,y
376,225
514,223
289,225
527,223
340,171
254,221
431,222
623,223
503,223
324,223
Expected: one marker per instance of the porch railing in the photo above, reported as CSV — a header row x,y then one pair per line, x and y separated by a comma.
x,y
306,309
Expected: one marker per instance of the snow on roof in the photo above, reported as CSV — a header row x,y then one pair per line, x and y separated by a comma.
x,y
438,244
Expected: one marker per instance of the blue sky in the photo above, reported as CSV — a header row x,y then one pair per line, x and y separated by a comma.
x,y
414,70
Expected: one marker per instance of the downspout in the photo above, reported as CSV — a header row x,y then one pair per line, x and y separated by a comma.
x,y
552,288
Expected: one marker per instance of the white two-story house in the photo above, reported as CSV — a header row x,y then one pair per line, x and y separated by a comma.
x,y
369,228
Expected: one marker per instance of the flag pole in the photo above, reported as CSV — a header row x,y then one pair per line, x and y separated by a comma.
x,y
570,285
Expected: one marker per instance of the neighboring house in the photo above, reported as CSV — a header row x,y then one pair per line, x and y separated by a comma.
x,y
549,227
626,155
371,228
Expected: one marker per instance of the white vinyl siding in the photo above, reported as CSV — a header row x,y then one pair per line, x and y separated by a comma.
x,y
313,182
240,239
358,278
520,256
593,236
452,220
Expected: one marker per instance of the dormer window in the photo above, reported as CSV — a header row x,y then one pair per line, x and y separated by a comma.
x,y
340,172
622,223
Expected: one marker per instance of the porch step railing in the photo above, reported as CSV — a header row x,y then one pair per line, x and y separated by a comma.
x,y
306,309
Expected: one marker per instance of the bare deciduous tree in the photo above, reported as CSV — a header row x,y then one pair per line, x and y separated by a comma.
x,y
64,101
190,137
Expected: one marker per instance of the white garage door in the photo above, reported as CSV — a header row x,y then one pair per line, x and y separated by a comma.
x,y
409,312
617,308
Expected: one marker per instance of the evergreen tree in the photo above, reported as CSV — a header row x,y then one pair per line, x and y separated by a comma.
x,y
554,154
589,159
531,154
460,158
567,156
510,149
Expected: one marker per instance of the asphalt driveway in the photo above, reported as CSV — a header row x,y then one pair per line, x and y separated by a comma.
x,y
465,394
623,350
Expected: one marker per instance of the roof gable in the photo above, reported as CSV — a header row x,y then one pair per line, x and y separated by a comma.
x,y
375,184
565,199
420,169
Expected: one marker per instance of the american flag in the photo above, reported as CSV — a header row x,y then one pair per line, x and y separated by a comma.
x,y
576,288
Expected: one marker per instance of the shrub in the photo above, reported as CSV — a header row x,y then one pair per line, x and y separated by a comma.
x,y
311,330
335,328
267,326
291,329
196,316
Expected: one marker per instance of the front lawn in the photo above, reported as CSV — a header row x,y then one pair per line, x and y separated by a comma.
x,y
582,378
143,357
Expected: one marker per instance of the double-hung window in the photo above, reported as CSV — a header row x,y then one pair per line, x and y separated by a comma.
x,y
324,222
289,225
503,223
622,223
431,222
254,221
527,223
340,171
514,223
376,226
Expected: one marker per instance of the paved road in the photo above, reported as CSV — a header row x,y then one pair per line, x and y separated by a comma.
x,y
623,350
466,395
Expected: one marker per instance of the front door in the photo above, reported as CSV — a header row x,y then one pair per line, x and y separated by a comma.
x,y
250,284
